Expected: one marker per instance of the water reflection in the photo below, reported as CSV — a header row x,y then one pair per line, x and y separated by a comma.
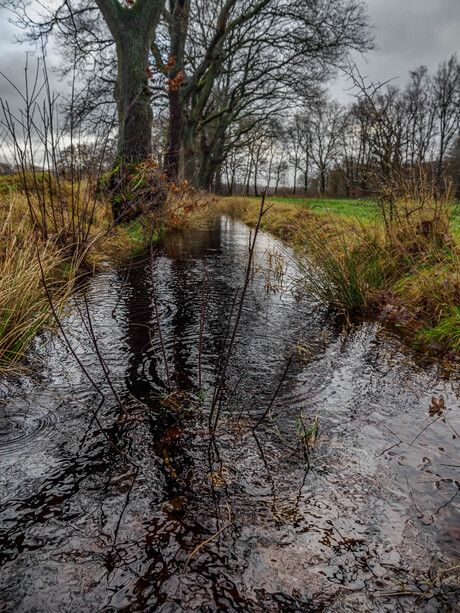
x,y
82,529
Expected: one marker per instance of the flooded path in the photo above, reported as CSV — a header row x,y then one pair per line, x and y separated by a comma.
x,y
276,522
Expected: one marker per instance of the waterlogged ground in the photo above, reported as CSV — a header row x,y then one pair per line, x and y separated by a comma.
x,y
122,505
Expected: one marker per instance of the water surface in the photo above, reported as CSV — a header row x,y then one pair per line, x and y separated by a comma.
x,y
104,501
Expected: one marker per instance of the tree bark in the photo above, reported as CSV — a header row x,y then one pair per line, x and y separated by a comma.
x,y
133,30
174,137
133,98
204,178
178,30
188,153
218,181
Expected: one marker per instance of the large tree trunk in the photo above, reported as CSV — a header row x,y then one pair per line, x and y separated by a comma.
x,y
174,138
133,98
133,30
204,178
178,29
212,157
135,121
218,181
188,153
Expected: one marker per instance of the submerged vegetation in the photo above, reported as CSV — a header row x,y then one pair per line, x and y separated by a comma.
x,y
407,270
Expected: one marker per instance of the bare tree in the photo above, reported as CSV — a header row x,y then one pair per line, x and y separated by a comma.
x,y
421,112
446,99
213,64
298,139
323,128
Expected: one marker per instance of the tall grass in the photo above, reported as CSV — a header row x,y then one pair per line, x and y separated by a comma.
x,y
343,273
411,267
51,214
446,331
26,262
408,268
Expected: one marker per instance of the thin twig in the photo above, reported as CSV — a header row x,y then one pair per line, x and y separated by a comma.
x,y
61,327
425,428
267,410
229,523
100,357
217,400
81,365
204,300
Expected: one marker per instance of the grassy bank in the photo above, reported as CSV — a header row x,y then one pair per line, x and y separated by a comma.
x,y
49,235
361,208
407,271
366,209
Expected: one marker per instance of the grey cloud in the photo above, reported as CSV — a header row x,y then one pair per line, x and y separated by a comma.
x,y
14,57
408,33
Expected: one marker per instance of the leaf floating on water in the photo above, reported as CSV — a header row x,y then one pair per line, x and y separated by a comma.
x,y
219,479
437,406
168,464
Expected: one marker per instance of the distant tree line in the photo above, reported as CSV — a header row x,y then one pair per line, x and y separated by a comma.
x,y
397,136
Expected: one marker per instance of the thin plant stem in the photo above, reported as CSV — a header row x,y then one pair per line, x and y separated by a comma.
x,y
267,410
218,393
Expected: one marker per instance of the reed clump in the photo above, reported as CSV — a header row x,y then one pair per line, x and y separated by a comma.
x,y
407,268
27,262
343,269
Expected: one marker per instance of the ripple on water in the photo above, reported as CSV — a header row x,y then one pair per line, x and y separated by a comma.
x,y
22,428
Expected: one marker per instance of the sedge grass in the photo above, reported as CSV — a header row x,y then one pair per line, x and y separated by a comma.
x,y
25,262
343,274
445,332
358,265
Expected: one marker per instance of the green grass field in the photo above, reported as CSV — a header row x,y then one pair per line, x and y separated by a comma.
x,y
365,209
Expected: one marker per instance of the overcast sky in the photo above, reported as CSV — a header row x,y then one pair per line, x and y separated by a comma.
x,y
408,33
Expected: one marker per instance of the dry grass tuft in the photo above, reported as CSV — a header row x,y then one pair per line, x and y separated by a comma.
x,y
25,261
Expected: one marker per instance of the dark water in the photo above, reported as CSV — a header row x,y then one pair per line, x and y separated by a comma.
x,y
371,509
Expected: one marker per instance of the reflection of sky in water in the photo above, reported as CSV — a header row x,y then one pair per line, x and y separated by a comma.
x,y
82,529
